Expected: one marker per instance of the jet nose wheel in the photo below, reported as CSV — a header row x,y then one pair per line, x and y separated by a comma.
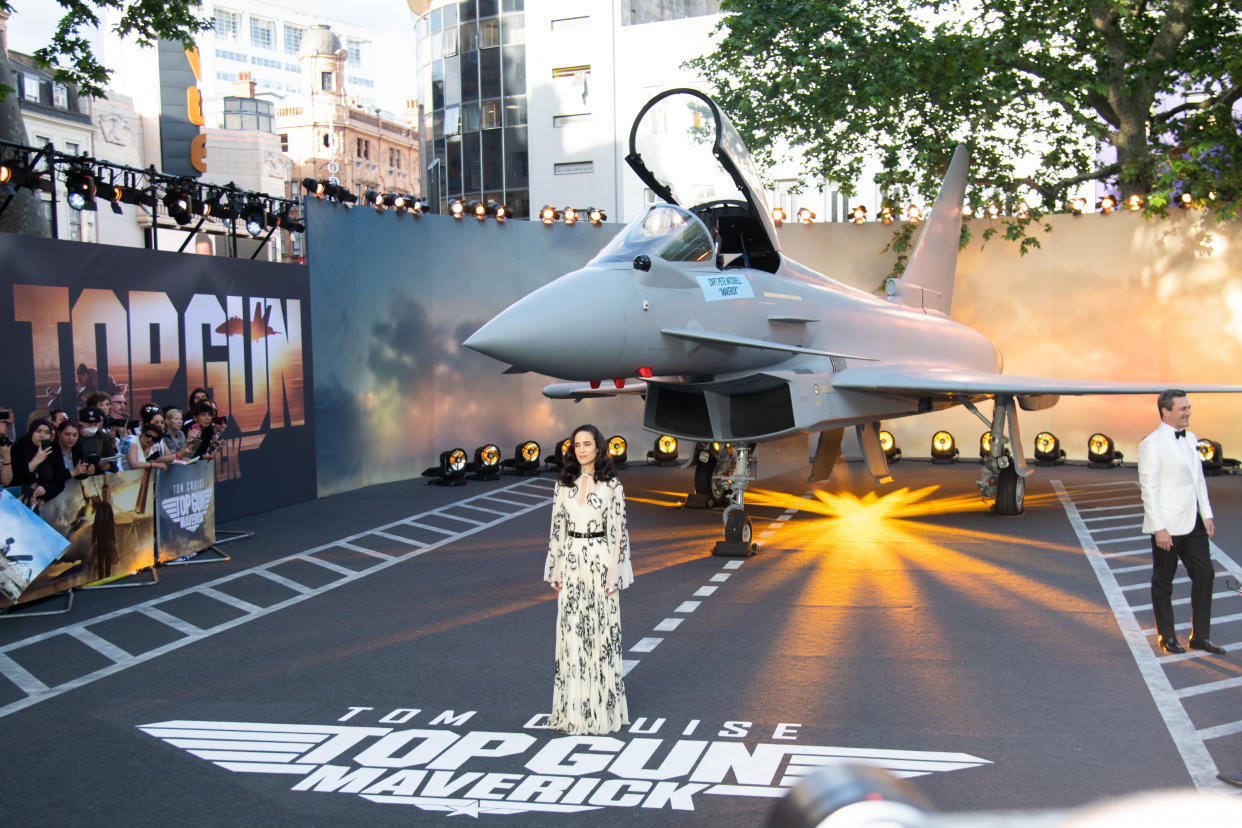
x,y
1010,492
737,535
737,526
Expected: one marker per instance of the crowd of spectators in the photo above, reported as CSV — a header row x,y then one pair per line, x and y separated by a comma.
x,y
55,448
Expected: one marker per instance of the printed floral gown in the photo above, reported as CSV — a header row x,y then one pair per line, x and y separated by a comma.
x,y
588,694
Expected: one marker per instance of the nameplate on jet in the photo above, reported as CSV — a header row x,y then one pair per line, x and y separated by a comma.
x,y
728,286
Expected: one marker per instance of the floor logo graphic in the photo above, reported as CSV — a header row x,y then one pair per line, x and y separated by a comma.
x,y
498,772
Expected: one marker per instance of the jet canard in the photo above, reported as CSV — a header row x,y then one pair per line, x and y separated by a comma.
x,y
731,342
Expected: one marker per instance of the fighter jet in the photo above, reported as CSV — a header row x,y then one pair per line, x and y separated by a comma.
x,y
234,326
732,343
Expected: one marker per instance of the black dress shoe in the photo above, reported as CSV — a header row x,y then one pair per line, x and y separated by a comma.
x,y
1206,645
1171,645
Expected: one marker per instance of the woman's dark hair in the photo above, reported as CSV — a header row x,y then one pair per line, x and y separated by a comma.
x,y
68,424
154,433
571,468
195,393
148,411
202,408
51,429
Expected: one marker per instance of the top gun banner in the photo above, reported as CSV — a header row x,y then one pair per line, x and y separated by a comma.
x,y
151,326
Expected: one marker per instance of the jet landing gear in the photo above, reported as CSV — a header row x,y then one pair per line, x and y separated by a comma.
x,y
1003,478
726,471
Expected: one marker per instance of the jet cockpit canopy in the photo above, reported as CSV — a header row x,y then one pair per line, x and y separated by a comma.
x,y
689,153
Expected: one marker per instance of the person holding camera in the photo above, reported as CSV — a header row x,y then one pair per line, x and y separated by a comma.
x,y
202,433
67,459
95,440
31,467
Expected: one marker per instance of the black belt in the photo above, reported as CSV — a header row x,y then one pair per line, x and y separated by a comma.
x,y
586,534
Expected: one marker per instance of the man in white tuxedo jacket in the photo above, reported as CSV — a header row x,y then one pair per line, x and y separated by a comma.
x,y
1177,515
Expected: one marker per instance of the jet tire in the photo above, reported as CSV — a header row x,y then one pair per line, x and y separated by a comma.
x,y
1010,492
737,527
703,472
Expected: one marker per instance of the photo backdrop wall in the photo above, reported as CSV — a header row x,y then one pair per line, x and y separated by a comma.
x,y
153,325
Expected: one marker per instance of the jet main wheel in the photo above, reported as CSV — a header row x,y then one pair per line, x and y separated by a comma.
x,y
703,476
737,527
1010,492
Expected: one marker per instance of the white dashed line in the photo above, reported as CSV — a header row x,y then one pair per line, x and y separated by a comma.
x,y
646,645
668,624
688,606
703,592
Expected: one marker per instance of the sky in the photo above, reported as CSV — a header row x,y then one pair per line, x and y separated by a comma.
x,y
33,22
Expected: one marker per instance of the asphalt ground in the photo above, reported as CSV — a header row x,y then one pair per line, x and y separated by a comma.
x,y
903,626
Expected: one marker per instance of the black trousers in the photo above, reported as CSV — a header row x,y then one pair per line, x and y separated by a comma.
x,y
1196,555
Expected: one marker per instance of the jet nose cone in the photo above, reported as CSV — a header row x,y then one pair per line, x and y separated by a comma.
x,y
573,328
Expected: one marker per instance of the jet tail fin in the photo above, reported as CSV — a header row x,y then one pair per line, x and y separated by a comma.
x,y
927,282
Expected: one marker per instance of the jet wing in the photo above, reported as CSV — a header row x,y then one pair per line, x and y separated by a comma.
x,y
955,382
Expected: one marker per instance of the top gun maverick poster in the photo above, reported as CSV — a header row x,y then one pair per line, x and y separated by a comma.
x,y
152,326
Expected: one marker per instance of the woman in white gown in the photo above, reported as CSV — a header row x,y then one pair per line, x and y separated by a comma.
x,y
588,563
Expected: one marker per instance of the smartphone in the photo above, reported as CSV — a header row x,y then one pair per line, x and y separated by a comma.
x,y
46,444
90,459
6,414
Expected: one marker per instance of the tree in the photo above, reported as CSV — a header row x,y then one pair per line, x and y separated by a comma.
x,y
1037,88
72,61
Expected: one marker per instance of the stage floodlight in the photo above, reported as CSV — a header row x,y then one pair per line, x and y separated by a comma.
x,y
111,194
1186,200
1102,452
888,445
255,218
596,216
886,215
943,448
985,444
80,189
1134,203
486,464
345,196
548,214
967,211
858,215
456,208
617,450
569,215
805,215
1078,206
374,198
664,450
914,213
526,457
1212,456
778,215
1106,204
451,471
220,204
313,186
417,206
556,459
179,204
1048,451
497,210
993,210
135,196
477,209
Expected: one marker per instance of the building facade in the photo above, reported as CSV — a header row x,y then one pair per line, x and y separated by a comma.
x,y
325,136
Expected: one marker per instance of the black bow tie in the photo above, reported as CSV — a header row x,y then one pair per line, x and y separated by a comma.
x,y
1179,434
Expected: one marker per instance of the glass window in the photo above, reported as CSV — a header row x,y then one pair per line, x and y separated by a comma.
x,y
469,77
515,111
466,11
493,159
437,85
468,37
489,33
470,117
437,20
71,148
293,39
450,16
514,59
75,225
513,28
471,163
488,8
453,145
452,120
449,37
516,171
228,24
60,95
490,114
325,82
354,48
489,73
262,33
30,87
513,5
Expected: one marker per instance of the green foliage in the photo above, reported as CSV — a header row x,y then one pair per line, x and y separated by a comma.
x,y
69,53
1043,84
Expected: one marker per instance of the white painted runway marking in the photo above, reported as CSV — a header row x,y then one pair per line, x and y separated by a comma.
x,y
536,490
720,576
646,645
703,592
1191,741
688,606
668,624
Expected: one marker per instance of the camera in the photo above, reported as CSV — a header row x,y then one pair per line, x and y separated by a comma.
x,y
6,414
114,422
